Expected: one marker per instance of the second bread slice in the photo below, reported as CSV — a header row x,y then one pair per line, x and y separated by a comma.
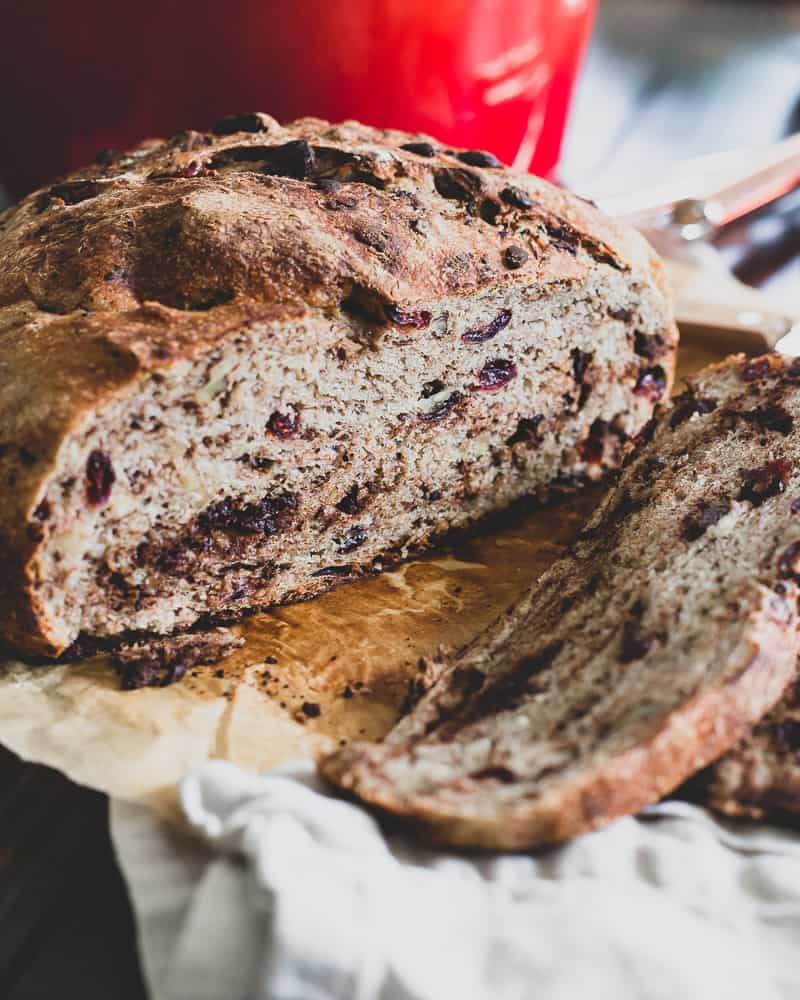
x,y
661,637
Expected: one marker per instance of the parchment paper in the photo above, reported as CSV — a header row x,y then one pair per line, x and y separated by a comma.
x,y
352,652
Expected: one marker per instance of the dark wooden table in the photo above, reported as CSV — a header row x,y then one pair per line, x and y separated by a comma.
x,y
66,928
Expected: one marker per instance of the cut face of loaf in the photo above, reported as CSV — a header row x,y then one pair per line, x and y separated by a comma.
x,y
236,369
664,634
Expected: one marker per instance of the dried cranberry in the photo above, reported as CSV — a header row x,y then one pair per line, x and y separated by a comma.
x,y
419,319
283,425
514,257
420,148
704,516
765,482
527,431
769,416
42,511
495,374
789,562
457,183
251,121
479,334
687,405
756,368
516,197
651,384
355,536
100,477
441,410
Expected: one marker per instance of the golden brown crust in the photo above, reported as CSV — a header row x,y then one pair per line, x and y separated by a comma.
x,y
131,266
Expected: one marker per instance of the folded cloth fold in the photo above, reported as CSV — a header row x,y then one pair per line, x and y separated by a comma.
x,y
287,893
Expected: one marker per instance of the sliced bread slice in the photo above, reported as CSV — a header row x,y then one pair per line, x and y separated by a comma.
x,y
661,637
760,777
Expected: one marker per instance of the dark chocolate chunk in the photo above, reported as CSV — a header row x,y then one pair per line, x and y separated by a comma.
x,y
107,157
160,662
580,362
266,516
355,537
457,183
350,504
635,644
420,148
769,417
621,314
501,774
478,158
527,431
516,197
514,257
787,735
70,192
760,484
250,121
687,405
333,571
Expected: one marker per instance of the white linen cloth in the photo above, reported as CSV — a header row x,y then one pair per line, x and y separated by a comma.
x,y
291,894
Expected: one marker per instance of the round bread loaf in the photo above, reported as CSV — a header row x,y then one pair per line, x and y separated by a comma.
x,y
237,368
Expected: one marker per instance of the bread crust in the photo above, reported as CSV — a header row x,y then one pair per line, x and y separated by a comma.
x,y
130,267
